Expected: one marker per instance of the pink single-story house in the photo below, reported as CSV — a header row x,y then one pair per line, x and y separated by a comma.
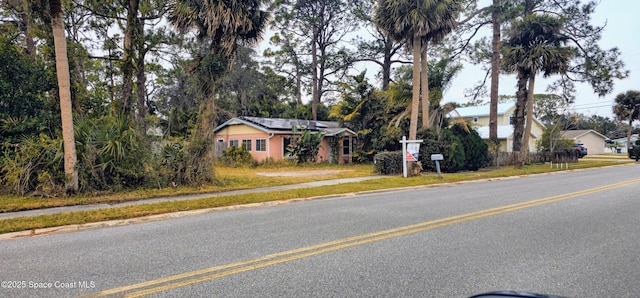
x,y
269,137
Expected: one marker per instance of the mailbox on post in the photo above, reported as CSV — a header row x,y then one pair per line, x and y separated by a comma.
x,y
437,158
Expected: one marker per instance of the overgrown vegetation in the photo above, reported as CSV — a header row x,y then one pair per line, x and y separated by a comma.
x,y
304,147
236,157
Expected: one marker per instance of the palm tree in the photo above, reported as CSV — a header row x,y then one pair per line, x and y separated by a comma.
x,y
418,22
399,94
224,25
441,75
627,107
440,22
535,45
64,86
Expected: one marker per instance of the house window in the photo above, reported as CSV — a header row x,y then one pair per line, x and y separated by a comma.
x,y
345,146
475,119
286,142
233,143
261,145
246,145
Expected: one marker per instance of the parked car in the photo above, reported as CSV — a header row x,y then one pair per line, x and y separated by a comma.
x,y
580,150
634,151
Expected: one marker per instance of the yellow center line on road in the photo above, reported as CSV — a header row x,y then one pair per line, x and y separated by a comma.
x,y
184,279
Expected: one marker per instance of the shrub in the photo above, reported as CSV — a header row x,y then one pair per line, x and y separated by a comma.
x,y
306,146
445,143
552,140
236,157
172,163
388,163
35,164
361,156
475,149
111,154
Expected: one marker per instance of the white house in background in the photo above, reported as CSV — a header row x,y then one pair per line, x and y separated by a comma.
x,y
623,143
478,116
593,140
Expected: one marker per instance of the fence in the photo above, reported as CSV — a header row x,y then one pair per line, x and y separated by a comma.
x,y
511,158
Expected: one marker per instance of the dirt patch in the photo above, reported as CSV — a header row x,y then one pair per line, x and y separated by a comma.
x,y
302,173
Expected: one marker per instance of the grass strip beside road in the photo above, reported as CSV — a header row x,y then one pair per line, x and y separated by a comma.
x,y
84,217
228,179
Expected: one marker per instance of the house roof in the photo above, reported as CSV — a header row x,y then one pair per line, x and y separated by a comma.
x,y
623,140
481,110
574,134
286,126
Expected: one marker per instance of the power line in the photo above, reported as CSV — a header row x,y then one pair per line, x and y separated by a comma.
x,y
586,108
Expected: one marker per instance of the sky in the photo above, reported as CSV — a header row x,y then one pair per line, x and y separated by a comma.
x,y
622,31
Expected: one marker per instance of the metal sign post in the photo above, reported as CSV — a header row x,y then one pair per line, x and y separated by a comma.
x,y
410,149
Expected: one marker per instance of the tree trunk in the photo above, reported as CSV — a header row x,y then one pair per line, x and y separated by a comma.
x,y
199,168
141,79
424,86
141,92
298,85
630,129
524,150
386,64
415,100
521,101
322,68
64,85
495,74
128,65
30,43
315,97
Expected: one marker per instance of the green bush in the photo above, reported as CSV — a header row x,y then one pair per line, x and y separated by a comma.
x,y
476,151
306,146
236,157
552,141
388,163
112,154
35,164
172,165
445,143
361,156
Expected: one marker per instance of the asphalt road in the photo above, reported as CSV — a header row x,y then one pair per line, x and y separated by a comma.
x,y
573,234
